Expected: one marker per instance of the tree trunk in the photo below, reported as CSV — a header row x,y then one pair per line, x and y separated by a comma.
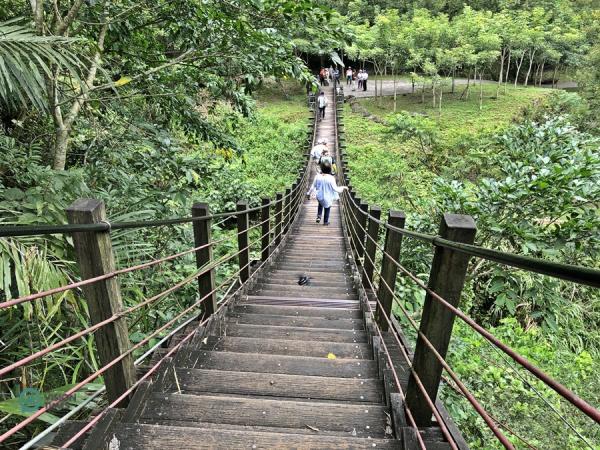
x,y
542,73
395,92
453,79
412,79
62,134
507,72
502,58
433,93
440,102
531,56
554,76
465,93
480,90
519,68
423,93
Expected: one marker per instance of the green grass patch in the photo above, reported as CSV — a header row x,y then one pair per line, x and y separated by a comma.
x,y
396,173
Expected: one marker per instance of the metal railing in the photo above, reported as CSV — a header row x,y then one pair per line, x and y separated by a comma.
x,y
454,248
90,231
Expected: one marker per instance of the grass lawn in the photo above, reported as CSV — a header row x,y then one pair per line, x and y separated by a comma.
x,y
397,174
273,138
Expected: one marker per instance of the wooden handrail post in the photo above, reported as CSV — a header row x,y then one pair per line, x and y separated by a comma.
x,y
242,227
95,258
265,218
206,281
361,228
371,247
447,278
278,216
389,270
287,210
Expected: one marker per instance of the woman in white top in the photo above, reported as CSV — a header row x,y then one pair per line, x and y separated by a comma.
x,y
326,190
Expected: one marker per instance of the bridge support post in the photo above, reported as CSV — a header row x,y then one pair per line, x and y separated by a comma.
x,y
373,232
202,237
95,257
278,217
447,277
244,251
389,270
265,218
287,210
361,227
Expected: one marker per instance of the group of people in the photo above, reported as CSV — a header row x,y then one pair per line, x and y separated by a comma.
x,y
361,76
327,75
324,188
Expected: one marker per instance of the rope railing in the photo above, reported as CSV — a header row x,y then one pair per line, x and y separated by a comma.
x,y
357,232
480,410
41,230
569,272
579,403
94,234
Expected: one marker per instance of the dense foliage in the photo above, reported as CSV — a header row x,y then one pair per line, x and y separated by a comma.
x,y
532,187
152,105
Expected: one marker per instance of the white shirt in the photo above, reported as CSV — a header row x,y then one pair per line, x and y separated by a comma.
x,y
365,75
348,73
322,100
316,151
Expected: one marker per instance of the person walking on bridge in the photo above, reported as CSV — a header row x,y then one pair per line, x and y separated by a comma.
x,y
322,103
326,191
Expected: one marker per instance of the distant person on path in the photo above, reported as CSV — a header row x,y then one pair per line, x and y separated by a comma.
x,y
318,149
322,76
326,191
349,76
322,103
336,75
326,158
361,78
365,77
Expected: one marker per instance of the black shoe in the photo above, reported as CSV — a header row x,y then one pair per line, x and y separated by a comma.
x,y
325,223
318,219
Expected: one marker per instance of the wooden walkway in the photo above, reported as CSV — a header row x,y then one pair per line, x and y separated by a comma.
x,y
287,366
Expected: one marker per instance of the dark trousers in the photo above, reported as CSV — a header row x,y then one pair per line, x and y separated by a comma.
x,y
364,85
320,211
322,112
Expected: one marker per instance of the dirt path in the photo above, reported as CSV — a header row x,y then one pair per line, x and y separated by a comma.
x,y
404,86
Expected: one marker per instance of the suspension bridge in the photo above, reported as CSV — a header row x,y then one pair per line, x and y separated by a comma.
x,y
271,362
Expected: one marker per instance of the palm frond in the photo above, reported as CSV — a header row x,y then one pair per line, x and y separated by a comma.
x,y
26,60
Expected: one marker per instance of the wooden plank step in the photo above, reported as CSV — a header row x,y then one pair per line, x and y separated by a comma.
x,y
314,260
160,437
302,268
295,333
276,274
300,311
290,365
365,420
200,381
261,345
289,282
295,321
306,293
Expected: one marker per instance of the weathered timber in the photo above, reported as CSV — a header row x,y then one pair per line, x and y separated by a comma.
x,y
265,218
202,238
447,277
95,258
371,247
389,270
244,251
